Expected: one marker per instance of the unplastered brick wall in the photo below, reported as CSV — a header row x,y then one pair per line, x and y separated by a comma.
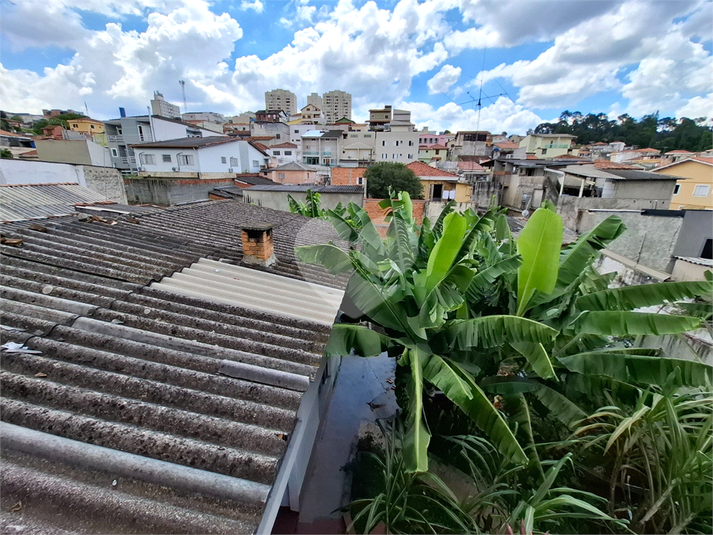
x,y
378,214
347,176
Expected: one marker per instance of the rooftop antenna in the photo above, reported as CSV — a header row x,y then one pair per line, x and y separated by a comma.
x,y
183,89
86,108
479,100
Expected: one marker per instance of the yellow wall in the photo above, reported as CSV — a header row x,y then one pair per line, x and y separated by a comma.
x,y
462,190
693,174
85,127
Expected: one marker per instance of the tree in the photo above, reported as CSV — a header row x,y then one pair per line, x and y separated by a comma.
x,y
476,314
384,175
5,153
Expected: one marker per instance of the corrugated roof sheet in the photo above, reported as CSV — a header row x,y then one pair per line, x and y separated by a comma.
x,y
630,174
127,408
20,203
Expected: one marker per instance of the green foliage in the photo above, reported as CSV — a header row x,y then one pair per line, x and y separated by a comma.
x,y
6,153
657,459
665,134
59,119
384,175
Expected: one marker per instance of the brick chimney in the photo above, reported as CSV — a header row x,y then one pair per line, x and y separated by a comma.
x,y
258,248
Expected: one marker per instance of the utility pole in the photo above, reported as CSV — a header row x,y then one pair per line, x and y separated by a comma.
x,y
183,89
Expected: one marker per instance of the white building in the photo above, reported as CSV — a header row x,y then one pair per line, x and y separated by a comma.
x,y
207,116
336,105
284,153
164,109
281,99
400,144
202,157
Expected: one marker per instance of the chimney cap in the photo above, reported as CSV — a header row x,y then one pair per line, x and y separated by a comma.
x,y
258,225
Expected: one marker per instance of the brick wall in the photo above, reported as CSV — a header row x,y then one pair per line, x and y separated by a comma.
x,y
347,176
378,214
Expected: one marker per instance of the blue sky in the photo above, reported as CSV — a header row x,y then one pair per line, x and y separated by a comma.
x,y
527,60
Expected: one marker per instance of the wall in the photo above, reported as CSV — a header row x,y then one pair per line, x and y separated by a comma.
x,y
694,173
168,192
688,271
278,199
654,190
385,144
347,176
106,181
697,228
63,151
99,155
574,209
649,239
483,193
378,214
433,209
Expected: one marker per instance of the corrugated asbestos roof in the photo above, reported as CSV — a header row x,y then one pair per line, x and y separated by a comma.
x,y
127,408
295,188
20,203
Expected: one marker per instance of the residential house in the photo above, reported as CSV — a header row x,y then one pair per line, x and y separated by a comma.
x,y
278,131
471,143
293,173
271,116
379,119
86,126
237,129
357,148
508,149
627,156
435,152
548,146
200,157
275,196
526,183
77,151
213,127
17,144
348,176
694,187
207,116
321,147
397,144
163,370
311,114
440,185
124,132
56,131
282,153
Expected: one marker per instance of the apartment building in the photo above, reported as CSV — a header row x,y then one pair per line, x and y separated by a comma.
x,y
160,107
315,100
206,116
281,99
336,105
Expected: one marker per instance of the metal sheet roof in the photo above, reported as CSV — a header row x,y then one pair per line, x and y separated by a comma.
x,y
20,203
296,188
128,408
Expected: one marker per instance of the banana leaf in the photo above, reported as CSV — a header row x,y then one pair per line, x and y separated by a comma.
x,y
539,246
578,255
638,369
461,389
328,255
444,253
485,278
363,341
415,445
538,358
624,323
631,297
559,406
494,331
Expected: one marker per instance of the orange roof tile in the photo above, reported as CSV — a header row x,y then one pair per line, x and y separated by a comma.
x,y
605,164
421,169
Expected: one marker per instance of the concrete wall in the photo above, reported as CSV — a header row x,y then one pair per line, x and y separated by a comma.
x,y
697,228
653,190
105,180
649,239
278,199
63,151
688,271
433,209
574,209
483,193
168,192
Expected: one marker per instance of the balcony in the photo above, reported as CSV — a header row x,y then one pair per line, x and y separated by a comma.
x,y
115,139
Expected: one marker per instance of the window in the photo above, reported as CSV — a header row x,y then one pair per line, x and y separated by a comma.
x,y
396,143
119,131
166,158
91,127
75,125
223,159
277,136
276,152
676,189
233,162
256,163
367,135
360,181
384,156
185,159
281,176
114,153
383,143
147,159
701,190
288,153
297,131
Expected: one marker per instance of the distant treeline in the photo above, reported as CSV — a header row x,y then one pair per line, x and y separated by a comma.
x,y
664,134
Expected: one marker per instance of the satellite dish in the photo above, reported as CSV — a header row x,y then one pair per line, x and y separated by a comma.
x,y
525,213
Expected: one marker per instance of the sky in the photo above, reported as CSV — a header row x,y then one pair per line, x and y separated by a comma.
x,y
497,65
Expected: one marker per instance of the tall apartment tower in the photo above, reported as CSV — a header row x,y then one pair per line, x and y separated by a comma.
x,y
164,109
281,99
336,104
315,100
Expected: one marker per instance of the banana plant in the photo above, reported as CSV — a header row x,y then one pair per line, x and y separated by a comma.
x,y
475,313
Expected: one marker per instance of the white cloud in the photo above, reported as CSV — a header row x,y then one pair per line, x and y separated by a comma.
x,y
255,5
444,79
697,107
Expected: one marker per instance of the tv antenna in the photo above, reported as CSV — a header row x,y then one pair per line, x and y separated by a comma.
x,y
183,90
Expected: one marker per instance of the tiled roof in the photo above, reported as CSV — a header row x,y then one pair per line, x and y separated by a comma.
x,y
253,179
470,166
20,203
286,145
137,407
605,164
421,169
679,151
293,166
507,145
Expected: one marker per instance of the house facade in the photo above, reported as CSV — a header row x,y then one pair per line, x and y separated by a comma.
x,y
694,187
205,157
293,173
440,185
283,153
471,143
311,114
399,144
547,146
321,147
124,132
